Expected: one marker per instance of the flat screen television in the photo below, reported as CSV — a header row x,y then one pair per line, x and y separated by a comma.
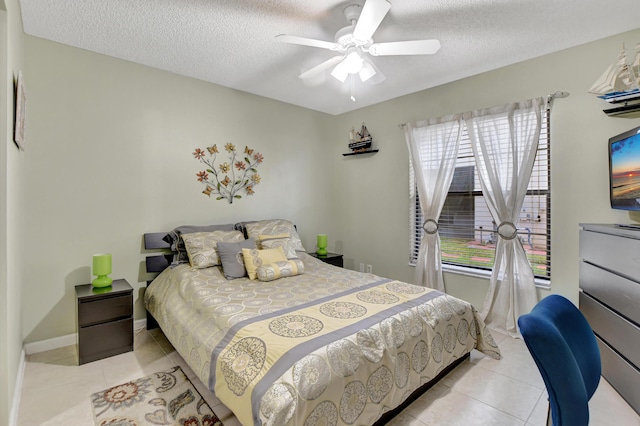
x,y
624,170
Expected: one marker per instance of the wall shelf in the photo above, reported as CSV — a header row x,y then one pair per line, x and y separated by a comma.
x,y
626,111
370,151
627,106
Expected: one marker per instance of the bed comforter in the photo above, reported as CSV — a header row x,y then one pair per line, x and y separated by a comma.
x,y
330,346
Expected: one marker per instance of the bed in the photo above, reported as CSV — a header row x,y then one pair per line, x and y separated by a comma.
x,y
305,343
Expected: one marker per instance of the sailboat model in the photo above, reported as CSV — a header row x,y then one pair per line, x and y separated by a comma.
x,y
621,80
363,140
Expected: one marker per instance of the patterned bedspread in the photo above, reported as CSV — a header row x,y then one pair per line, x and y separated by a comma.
x,y
330,346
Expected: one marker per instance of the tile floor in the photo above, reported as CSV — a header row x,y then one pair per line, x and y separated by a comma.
x,y
480,391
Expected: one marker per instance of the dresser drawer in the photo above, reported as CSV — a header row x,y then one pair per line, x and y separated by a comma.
x,y
611,327
622,294
620,374
105,340
98,311
612,252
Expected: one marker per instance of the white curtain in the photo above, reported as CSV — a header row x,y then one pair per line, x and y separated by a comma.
x,y
504,141
433,148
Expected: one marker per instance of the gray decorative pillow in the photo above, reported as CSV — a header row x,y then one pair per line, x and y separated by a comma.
x,y
274,227
231,258
202,246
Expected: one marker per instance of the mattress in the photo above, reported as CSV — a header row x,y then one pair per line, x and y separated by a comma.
x,y
330,346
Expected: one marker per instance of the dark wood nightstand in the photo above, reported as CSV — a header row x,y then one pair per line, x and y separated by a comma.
x,y
105,320
334,259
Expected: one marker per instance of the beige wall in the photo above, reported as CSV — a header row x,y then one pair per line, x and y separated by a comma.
x,y
110,158
11,224
372,191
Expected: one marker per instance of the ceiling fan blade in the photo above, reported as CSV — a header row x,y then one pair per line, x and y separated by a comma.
x,y
303,41
320,68
372,15
414,47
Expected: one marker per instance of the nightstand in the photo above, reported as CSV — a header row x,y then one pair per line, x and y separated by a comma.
x,y
104,320
334,259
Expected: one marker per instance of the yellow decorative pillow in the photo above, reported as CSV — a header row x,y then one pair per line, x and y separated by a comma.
x,y
273,271
255,258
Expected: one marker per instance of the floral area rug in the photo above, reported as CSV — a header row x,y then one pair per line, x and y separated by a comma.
x,y
163,398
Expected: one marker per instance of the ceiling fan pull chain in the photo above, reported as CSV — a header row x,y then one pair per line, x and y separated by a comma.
x,y
353,98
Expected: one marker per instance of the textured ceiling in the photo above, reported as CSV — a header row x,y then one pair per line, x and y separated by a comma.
x,y
232,42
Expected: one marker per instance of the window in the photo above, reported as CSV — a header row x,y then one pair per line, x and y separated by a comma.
x,y
467,230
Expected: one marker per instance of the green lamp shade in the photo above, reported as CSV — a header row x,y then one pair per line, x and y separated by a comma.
x,y
322,244
102,268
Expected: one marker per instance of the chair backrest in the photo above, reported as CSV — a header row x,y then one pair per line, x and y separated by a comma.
x,y
565,350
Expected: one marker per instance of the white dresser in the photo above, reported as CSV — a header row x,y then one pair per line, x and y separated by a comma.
x,y
610,300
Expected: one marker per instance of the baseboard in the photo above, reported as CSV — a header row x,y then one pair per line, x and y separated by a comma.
x,y
141,323
49,344
62,341
17,391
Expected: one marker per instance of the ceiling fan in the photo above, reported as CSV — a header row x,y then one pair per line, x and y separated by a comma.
x,y
354,40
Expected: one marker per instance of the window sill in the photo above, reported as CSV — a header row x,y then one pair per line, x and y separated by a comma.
x,y
477,273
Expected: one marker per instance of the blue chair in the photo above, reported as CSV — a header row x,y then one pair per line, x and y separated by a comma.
x,y
564,348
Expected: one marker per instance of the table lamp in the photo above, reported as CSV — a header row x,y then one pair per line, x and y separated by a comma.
x,y
102,268
322,244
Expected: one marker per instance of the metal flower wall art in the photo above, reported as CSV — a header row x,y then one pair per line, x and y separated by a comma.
x,y
226,179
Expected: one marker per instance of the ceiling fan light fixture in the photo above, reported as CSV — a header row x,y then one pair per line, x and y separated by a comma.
x,y
340,72
367,71
353,62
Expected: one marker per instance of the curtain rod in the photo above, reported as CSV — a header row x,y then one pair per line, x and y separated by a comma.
x,y
550,98
558,94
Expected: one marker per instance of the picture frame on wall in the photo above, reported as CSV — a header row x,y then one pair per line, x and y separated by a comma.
x,y
21,101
